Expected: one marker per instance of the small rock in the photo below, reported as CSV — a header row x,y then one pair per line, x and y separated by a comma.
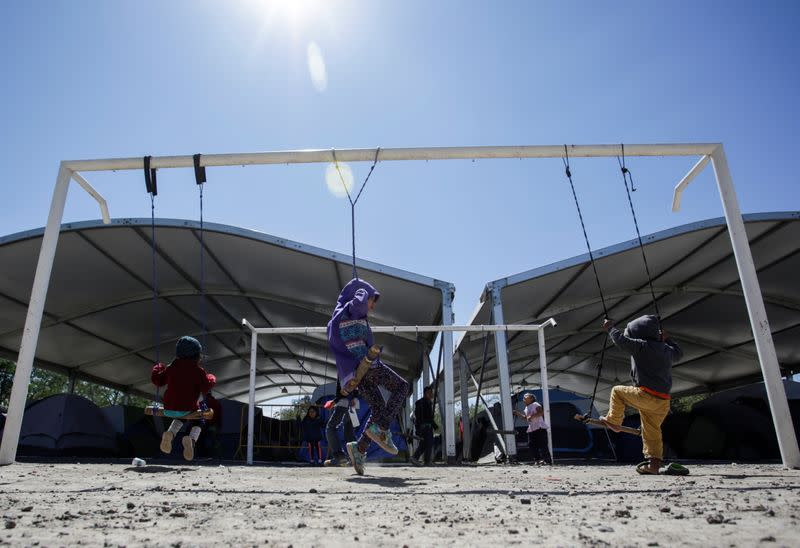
x,y
301,525
26,508
605,529
768,539
665,509
770,513
130,506
513,531
715,519
10,524
312,490
178,514
622,514
525,501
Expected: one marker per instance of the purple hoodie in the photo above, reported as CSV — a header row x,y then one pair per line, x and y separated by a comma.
x,y
349,335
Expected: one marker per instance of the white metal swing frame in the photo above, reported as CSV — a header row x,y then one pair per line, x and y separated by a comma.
x,y
713,152
498,330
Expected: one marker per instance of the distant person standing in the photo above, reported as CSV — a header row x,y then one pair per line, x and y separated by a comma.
x,y
537,429
311,426
424,424
340,416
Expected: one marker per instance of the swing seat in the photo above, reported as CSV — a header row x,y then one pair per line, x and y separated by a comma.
x,y
198,414
596,422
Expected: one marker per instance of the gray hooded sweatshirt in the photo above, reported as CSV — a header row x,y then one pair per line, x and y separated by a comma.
x,y
651,359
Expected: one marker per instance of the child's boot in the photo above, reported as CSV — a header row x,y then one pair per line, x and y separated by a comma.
x,y
166,442
188,448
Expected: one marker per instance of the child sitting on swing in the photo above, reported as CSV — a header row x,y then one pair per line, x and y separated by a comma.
x,y
186,383
359,366
652,356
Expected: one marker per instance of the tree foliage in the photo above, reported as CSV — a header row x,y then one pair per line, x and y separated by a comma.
x,y
46,383
295,410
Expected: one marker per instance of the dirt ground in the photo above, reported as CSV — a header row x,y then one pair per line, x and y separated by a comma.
x,y
203,505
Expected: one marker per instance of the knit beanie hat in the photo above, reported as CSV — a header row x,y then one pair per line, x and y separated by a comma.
x,y
188,347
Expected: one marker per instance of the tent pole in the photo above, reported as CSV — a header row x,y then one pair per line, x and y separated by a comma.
x,y
251,409
545,392
502,368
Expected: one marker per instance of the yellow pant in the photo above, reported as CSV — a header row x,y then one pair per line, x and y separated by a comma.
x,y
652,410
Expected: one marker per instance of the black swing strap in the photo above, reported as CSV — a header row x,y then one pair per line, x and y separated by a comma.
x,y
152,189
354,201
200,179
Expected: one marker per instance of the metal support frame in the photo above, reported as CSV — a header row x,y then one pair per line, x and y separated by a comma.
x,y
504,379
767,357
545,392
449,405
33,320
466,442
448,418
744,262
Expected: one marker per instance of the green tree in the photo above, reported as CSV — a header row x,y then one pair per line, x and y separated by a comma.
x,y
685,403
43,383
295,410
46,383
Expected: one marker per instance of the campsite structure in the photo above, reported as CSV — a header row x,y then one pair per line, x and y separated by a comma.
x,y
714,153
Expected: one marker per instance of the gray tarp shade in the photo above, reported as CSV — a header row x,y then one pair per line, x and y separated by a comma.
x,y
699,295
98,319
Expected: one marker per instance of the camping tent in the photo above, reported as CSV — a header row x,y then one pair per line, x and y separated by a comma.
x,y
137,434
66,424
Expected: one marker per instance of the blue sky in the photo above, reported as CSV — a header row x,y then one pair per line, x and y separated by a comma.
x,y
94,79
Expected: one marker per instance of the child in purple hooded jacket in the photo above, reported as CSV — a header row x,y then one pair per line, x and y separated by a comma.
x,y
358,365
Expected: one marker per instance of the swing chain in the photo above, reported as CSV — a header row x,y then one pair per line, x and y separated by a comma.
x,y
626,175
565,159
596,276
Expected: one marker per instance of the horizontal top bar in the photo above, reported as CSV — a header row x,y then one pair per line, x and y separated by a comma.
x,y
402,328
395,154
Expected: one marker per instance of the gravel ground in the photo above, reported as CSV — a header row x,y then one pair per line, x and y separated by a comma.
x,y
179,505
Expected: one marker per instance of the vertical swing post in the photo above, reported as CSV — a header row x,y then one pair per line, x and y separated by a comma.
x,y
448,420
466,442
765,347
251,409
502,369
33,321
545,390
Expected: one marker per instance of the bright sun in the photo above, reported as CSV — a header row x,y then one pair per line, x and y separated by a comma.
x,y
293,13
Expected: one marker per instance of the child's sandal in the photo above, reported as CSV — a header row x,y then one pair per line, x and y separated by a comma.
x,y
646,468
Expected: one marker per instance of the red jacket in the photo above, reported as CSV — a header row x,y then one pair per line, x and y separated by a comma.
x,y
185,381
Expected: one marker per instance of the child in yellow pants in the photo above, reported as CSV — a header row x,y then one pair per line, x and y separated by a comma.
x,y
652,356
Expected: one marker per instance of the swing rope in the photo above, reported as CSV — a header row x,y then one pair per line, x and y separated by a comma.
x,y
565,159
151,185
627,176
354,201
